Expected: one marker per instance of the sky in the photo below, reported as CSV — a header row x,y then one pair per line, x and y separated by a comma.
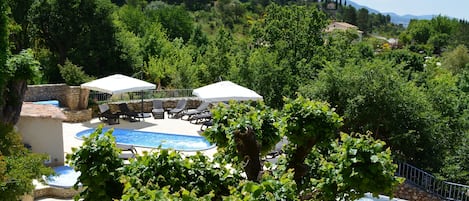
x,y
454,8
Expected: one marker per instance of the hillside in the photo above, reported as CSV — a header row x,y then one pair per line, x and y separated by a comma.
x,y
395,18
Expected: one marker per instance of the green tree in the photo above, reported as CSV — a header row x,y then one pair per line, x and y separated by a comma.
x,y
73,74
175,20
356,164
98,161
19,24
307,123
19,70
88,22
350,15
373,96
244,133
456,60
363,21
167,170
18,167
218,57
419,30
295,35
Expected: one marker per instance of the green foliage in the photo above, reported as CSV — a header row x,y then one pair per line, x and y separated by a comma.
x,y
175,20
355,164
240,117
25,67
372,96
167,171
456,167
18,167
273,186
4,48
409,61
73,74
293,36
452,103
98,161
457,59
307,121
81,31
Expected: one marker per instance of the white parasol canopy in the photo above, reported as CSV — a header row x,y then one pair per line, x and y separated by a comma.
x,y
116,84
225,91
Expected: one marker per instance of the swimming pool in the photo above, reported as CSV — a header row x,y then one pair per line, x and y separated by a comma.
x,y
153,139
65,177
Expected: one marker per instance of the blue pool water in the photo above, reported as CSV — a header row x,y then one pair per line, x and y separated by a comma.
x,y
65,177
153,140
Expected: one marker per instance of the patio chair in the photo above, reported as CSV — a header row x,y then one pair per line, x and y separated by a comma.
x,y
127,151
158,111
203,107
127,113
175,112
206,124
106,115
200,118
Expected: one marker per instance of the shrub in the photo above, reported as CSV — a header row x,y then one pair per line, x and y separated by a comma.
x,y
72,74
98,161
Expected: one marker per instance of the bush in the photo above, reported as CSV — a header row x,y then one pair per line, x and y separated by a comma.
x,y
18,167
72,74
98,161
168,171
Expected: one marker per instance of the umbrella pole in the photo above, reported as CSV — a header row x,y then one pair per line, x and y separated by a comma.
x,y
143,113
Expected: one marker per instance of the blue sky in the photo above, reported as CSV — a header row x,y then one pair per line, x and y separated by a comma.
x,y
455,8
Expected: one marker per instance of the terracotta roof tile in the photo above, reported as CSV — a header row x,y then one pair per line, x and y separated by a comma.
x,y
41,111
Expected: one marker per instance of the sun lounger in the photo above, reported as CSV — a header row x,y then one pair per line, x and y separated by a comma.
x,y
203,107
202,117
206,124
181,106
158,111
127,151
106,115
127,113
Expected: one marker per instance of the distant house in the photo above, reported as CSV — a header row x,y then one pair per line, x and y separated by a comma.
x,y
343,26
41,129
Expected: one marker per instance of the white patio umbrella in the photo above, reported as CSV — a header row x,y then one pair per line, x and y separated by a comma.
x,y
117,84
225,91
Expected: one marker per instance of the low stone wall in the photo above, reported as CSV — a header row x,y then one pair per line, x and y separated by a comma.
x,y
412,193
44,92
76,116
73,97
148,104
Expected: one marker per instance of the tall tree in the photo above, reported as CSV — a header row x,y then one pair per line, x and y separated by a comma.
x,y
350,15
19,15
295,35
373,96
363,21
80,30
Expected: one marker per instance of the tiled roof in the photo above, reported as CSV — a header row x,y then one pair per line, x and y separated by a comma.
x,y
341,26
41,111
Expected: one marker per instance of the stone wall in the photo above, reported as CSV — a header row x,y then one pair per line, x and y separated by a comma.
x,y
148,104
72,97
412,193
76,116
46,92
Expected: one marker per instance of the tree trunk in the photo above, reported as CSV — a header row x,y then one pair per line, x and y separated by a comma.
x,y
13,96
297,161
249,149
